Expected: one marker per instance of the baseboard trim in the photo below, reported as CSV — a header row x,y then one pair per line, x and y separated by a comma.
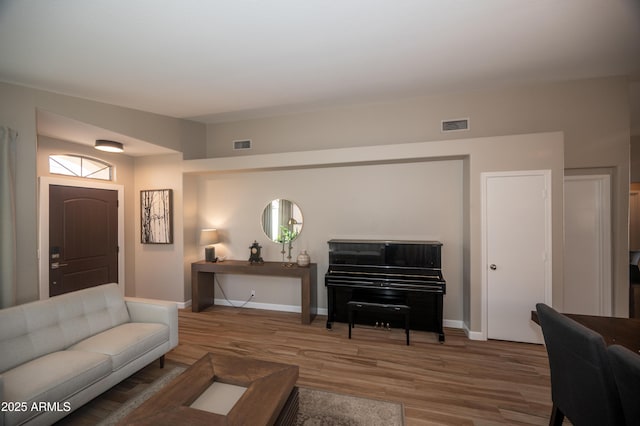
x,y
473,335
265,306
184,305
452,323
296,309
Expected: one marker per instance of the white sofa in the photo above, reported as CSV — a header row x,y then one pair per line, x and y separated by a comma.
x,y
59,353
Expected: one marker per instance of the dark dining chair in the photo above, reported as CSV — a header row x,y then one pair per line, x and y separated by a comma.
x,y
583,387
626,369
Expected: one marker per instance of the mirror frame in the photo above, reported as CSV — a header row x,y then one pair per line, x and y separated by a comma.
x,y
296,214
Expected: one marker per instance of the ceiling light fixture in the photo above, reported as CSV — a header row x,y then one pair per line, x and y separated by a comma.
x,y
109,146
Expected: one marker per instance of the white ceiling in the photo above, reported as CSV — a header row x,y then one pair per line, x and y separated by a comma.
x,y
222,60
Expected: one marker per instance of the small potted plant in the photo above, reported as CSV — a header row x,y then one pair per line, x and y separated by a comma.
x,y
286,237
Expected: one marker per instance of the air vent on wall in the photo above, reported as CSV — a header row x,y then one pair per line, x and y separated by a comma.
x,y
244,144
457,125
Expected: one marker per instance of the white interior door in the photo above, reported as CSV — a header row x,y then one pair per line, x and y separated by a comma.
x,y
587,245
517,236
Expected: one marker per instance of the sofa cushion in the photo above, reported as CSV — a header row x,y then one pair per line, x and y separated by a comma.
x,y
53,377
126,342
34,329
90,311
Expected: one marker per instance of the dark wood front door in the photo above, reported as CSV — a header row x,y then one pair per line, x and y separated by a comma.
x,y
83,238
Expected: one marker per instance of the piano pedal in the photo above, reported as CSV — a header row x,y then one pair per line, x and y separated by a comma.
x,y
382,325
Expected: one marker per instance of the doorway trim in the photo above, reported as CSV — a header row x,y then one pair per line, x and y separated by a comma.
x,y
548,273
43,228
603,235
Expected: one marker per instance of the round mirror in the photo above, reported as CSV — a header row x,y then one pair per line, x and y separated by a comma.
x,y
282,220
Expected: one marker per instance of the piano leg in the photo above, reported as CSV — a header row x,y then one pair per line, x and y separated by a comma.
x,y
331,299
439,314
406,325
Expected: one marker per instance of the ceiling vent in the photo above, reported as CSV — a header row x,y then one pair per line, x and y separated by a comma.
x,y
244,144
457,125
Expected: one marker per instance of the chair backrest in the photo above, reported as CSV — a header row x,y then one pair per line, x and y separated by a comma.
x,y
626,369
582,382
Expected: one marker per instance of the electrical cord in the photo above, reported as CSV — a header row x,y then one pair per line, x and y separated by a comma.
x,y
229,301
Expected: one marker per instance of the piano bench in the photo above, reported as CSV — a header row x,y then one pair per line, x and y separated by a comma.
x,y
354,306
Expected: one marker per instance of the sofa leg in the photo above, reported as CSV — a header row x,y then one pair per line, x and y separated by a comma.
x,y
162,361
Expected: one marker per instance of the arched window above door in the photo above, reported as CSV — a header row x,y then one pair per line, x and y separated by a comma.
x,y
80,166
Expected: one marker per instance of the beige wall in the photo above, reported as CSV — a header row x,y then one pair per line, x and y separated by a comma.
x,y
461,161
191,214
180,135
592,114
159,267
18,110
415,201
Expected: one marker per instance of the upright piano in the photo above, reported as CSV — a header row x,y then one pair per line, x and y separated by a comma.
x,y
387,272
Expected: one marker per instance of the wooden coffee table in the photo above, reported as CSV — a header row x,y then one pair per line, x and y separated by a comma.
x,y
270,398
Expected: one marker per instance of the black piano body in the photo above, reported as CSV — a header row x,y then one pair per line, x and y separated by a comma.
x,y
387,272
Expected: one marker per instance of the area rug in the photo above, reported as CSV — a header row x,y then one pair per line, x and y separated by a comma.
x,y
320,408
317,407
137,400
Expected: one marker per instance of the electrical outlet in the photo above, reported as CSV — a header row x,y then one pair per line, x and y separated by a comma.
x,y
253,293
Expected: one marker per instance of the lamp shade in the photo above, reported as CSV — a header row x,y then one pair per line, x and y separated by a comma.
x,y
109,146
209,236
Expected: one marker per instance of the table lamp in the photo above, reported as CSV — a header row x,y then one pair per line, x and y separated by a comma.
x,y
209,237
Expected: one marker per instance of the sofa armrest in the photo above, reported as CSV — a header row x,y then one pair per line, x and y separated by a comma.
x,y
150,310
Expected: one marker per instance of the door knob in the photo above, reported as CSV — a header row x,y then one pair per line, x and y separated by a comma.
x,y
493,267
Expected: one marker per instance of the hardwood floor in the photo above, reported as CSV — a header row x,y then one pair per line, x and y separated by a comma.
x,y
460,382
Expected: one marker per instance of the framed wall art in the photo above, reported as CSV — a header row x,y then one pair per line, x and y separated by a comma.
x,y
156,216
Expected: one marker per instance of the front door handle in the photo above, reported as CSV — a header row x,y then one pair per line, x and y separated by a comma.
x,y
56,265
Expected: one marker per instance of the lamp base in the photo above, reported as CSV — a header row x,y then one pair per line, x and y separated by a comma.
x,y
210,254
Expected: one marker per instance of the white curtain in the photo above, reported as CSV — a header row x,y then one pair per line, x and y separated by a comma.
x,y
8,139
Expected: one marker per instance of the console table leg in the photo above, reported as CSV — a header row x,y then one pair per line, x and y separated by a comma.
x,y
305,302
202,289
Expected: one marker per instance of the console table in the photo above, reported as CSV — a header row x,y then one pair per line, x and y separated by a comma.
x,y
203,273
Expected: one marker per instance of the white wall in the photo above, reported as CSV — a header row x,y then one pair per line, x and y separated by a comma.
x,y
415,201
